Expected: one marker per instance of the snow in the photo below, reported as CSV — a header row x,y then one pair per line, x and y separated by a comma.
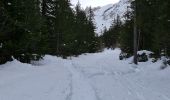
x,y
100,22
95,76
145,51
105,15
9,3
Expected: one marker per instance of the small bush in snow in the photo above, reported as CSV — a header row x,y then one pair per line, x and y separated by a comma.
x,y
142,57
168,62
124,55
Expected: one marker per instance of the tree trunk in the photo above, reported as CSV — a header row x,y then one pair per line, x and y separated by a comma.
x,y
135,38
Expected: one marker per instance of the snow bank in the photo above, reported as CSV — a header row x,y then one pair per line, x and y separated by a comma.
x,y
27,82
145,51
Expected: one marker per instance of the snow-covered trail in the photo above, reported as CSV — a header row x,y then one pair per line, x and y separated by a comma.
x,y
98,76
112,79
81,88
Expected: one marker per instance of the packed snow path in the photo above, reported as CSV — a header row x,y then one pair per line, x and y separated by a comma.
x,y
98,76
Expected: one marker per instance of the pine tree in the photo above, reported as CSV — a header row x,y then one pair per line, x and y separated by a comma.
x,y
92,40
24,29
81,32
111,36
126,34
151,35
162,29
64,25
5,29
87,41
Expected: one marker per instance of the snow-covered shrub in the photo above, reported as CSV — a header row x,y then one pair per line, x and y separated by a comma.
x,y
143,57
27,58
168,62
165,62
154,60
124,55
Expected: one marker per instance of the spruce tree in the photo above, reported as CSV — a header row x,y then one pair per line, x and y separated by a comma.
x,y
24,29
111,36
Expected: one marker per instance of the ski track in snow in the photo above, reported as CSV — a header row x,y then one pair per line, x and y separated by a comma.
x,y
98,76
81,88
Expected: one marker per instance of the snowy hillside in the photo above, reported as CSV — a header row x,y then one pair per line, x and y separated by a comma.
x,y
98,76
105,15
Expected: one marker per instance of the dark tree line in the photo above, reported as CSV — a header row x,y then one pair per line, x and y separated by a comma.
x,y
30,29
153,28
111,36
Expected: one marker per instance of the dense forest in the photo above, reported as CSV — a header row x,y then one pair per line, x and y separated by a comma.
x,y
153,28
30,29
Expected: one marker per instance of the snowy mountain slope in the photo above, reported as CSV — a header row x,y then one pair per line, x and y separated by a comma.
x,y
105,15
97,76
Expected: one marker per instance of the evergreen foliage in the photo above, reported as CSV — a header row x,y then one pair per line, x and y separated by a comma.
x,y
111,37
152,28
30,28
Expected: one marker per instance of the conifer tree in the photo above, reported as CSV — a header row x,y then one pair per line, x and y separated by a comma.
x,y
87,41
24,29
111,37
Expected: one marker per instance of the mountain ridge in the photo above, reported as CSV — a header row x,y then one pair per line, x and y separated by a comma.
x,y
103,16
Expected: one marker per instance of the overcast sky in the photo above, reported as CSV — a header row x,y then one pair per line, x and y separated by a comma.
x,y
93,3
